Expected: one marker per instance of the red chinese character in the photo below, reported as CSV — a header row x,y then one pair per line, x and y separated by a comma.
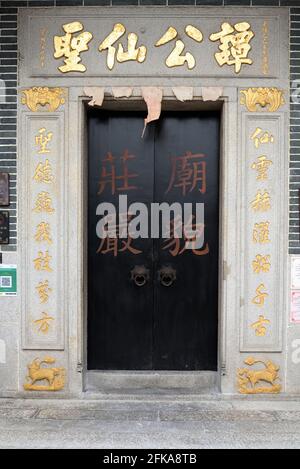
x,y
110,177
185,236
112,242
188,173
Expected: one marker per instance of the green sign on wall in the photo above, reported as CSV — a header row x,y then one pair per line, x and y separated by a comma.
x,y
8,280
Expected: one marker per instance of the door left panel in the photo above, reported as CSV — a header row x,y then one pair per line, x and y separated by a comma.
x,y
120,313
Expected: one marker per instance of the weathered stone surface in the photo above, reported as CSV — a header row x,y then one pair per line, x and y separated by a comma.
x,y
9,357
17,413
78,424
118,415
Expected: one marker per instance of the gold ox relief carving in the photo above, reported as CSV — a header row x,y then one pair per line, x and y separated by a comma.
x,y
256,99
262,381
53,378
48,98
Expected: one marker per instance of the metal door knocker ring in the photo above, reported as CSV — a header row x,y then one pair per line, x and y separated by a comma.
x,y
140,275
167,276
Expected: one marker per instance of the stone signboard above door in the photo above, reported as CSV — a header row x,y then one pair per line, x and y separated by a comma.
x,y
245,43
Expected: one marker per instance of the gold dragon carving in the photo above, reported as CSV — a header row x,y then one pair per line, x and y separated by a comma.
x,y
259,381
268,99
48,98
53,378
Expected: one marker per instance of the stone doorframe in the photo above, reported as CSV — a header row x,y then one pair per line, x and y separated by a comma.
x,y
72,353
229,227
227,106
67,343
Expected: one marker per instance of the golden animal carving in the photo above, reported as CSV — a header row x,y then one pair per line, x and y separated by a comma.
x,y
256,99
253,381
55,377
48,98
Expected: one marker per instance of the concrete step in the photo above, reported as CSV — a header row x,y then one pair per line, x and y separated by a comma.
x,y
202,382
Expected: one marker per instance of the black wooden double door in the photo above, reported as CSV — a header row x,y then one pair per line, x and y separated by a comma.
x,y
153,303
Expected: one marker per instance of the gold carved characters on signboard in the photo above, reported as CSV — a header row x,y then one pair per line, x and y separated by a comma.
x,y
265,48
176,59
133,52
43,45
235,45
49,379
70,47
263,381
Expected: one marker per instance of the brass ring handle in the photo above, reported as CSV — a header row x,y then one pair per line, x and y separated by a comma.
x,y
167,276
140,275
140,280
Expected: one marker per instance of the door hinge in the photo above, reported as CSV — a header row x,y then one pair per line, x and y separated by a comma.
x,y
226,270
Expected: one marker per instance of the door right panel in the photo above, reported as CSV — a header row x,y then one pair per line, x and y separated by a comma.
x,y
186,312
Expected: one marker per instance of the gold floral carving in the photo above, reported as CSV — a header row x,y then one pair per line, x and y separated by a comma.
x,y
53,378
256,99
261,381
48,98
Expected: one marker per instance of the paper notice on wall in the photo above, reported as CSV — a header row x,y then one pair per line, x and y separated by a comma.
x,y
295,306
122,92
212,93
183,93
295,273
153,98
97,95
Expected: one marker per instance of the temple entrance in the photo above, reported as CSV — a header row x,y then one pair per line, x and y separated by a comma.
x,y
153,302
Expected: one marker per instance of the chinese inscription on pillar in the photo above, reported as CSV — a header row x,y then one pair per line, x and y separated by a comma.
x,y
44,309
43,205
262,195
261,204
